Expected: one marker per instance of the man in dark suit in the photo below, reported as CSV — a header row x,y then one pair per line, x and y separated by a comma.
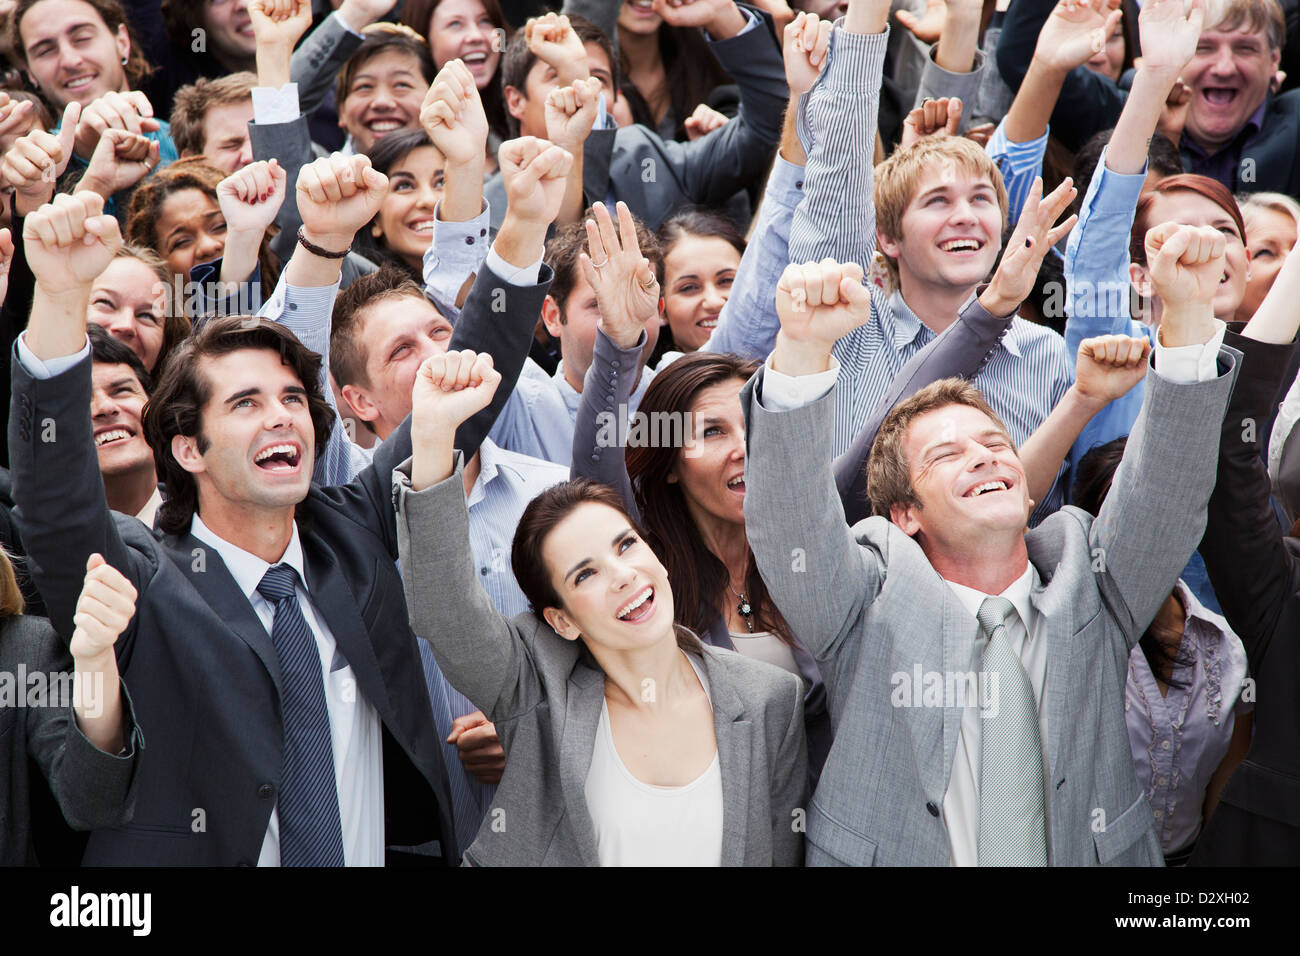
x,y
278,678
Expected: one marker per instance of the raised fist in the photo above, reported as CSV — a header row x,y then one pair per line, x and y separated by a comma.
x,y
104,610
337,195
70,241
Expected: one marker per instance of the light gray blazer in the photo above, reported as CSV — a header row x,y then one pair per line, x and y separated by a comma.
x,y
545,699
870,607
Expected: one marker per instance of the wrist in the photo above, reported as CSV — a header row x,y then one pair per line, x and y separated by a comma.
x,y
1185,324
93,184
329,241
996,302
273,64
1082,402
624,337
63,293
727,23
520,241
98,661
434,453
354,19
800,357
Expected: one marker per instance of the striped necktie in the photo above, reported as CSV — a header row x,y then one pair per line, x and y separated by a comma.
x,y
1012,830
310,831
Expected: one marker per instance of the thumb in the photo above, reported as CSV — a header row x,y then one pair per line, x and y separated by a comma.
x,y
96,560
372,178
68,131
954,116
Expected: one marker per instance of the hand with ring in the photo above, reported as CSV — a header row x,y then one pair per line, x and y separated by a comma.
x,y
626,287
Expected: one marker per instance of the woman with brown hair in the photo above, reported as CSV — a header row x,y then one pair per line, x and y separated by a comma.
x,y
76,724
627,741
176,214
684,476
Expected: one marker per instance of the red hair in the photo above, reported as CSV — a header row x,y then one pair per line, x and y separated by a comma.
x,y
1211,189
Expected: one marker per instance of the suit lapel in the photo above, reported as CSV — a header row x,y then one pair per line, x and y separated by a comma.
x,y
597,153
1056,624
734,737
338,607
205,570
577,740
960,638
1272,151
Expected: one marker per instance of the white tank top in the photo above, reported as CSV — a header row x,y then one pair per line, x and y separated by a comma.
x,y
642,825
766,646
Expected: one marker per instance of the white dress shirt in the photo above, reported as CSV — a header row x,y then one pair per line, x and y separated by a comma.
x,y
355,729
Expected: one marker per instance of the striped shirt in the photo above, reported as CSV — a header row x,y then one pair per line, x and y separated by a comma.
x,y
1027,373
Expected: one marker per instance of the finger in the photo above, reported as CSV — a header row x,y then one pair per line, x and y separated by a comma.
x,y
605,225
68,131
830,281
822,42
595,244
627,230
954,116
459,377
1060,232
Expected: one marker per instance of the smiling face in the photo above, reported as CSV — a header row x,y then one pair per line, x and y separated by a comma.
x,y
462,28
131,304
575,327
385,95
405,220
951,231
698,273
71,53
226,143
968,479
398,334
529,105
230,31
1193,209
1229,76
1272,235
190,230
712,476
116,401
1109,60
255,447
613,590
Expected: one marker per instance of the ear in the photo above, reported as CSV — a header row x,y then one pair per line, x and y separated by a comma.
x,y
516,102
561,624
905,516
376,229
185,449
123,41
1141,279
187,152
359,401
551,316
886,245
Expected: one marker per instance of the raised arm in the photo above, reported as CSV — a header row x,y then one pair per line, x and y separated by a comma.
x,y
316,63
818,576
477,648
627,294
962,349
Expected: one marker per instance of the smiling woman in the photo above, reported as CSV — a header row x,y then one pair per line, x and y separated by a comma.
x,y
403,229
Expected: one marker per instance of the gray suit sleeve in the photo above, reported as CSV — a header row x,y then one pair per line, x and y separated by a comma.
x,y
478,649
1154,516
959,352
819,577
790,787
290,145
318,59
936,83
606,389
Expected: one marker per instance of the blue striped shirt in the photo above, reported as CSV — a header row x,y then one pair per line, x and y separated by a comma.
x,y
1019,163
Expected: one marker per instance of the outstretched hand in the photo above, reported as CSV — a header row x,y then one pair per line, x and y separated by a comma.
x,y
1076,31
1034,235
104,610
804,47
627,291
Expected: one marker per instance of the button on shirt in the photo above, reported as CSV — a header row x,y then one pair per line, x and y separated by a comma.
x,y
961,804
355,734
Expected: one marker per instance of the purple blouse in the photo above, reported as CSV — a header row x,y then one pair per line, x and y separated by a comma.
x,y
1180,739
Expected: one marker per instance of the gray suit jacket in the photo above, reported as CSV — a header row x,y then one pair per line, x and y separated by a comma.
x,y
872,609
656,177
546,699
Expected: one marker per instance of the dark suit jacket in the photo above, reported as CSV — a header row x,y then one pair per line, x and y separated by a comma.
x,y
205,671
1256,575
92,788
656,177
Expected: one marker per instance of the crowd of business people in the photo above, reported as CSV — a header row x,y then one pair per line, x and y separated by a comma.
x,y
649,432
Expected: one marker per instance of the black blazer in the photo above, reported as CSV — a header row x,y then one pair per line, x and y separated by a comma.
x,y
203,668
91,788
1255,572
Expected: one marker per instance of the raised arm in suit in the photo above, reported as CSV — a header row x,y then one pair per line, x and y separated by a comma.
x,y
317,61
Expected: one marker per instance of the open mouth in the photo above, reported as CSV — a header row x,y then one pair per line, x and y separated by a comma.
x,y
962,245
1219,96
80,82
422,226
639,608
986,487
278,458
709,322
737,484
642,8
381,127
476,58
112,435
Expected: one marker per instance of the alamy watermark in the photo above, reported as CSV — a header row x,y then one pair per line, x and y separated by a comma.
x,y
638,429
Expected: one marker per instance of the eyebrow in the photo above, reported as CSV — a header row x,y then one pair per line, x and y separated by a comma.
x,y
987,433
586,561
129,381
254,390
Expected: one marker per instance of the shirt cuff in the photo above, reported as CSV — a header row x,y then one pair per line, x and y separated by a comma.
x,y
1186,364
753,22
785,183
513,274
783,393
272,106
49,368
344,24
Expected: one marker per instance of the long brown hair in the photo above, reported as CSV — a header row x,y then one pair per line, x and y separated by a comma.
x,y
700,581
540,518
193,172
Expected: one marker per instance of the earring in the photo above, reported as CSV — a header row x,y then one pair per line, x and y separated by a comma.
x,y
124,61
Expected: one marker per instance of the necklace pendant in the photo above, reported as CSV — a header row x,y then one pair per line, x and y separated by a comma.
x,y
744,608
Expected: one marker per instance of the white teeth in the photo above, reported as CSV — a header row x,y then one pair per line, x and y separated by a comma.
x,y
738,480
987,486
422,225
474,58
276,450
627,611
79,82
114,435
384,126
960,245
708,323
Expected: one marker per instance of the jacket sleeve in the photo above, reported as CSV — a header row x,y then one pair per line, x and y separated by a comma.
x,y
598,453
290,144
318,59
790,788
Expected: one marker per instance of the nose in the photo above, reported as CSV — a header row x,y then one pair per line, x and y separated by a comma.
x,y
428,197
1223,63
102,405
245,154
474,35
714,297
383,99
121,325
623,574
962,211
208,247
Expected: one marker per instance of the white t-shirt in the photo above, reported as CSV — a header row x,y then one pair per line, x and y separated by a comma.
x,y
641,825
766,646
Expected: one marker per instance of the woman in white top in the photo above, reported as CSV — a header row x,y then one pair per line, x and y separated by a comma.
x,y
627,741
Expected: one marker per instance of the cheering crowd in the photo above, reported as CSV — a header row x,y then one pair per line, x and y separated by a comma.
x,y
658,432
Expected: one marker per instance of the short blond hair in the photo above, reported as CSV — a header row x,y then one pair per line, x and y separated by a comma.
x,y
1266,15
899,177
889,478
1281,203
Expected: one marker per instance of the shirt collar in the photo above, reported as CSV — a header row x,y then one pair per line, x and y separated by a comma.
x,y
906,324
246,568
1195,609
1017,593
150,509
